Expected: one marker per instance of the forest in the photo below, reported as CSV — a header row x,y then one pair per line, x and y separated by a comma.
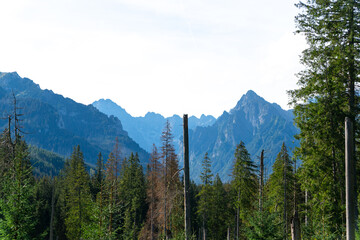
x,y
304,197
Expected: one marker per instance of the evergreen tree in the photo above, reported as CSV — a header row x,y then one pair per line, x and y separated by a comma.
x,y
172,203
17,185
280,190
325,97
219,213
97,179
17,220
244,183
100,212
205,193
133,196
43,198
78,201
264,225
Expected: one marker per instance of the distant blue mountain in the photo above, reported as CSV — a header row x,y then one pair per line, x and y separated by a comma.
x,y
147,130
256,122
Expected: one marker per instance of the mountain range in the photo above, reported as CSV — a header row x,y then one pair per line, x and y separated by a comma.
x,y
259,124
256,122
57,124
147,130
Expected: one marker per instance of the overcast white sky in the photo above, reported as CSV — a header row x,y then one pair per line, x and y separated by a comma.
x,y
165,56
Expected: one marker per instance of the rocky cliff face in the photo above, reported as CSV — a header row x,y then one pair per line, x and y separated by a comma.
x,y
256,122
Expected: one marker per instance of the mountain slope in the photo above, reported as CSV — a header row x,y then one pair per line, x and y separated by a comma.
x,y
147,130
259,124
58,124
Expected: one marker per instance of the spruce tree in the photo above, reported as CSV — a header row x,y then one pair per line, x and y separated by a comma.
x,y
133,196
326,95
244,184
280,190
17,208
219,210
205,193
172,199
78,201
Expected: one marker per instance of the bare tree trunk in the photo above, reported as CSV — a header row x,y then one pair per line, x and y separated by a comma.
x,y
295,227
186,180
349,180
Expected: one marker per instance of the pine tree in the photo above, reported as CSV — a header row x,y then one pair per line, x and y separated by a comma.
x,y
219,211
99,229
133,196
280,190
78,201
42,201
326,95
17,186
172,203
97,179
205,193
114,166
17,220
244,183
264,225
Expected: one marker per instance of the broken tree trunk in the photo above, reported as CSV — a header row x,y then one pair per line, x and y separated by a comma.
x,y
350,180
186,179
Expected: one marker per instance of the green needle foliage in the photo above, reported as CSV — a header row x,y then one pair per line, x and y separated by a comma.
x,y
264,225
326,95
244,183
280,189
17,220
78,203
133,196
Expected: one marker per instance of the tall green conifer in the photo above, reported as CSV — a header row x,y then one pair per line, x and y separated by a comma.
x,y
133,196
280,190
205,194
78,201
244,183
326,95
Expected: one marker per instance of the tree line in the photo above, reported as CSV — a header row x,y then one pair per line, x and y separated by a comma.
x,y
121,200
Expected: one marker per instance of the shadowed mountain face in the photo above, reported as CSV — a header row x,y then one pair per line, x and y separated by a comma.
x,y
147,130
256,122
57,124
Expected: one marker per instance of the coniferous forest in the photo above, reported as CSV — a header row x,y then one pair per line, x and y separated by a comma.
x,y
303,197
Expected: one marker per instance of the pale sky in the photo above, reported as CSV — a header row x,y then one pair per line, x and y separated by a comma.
x,y
166,56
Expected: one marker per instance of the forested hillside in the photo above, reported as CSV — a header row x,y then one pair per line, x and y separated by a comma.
x,y
55,123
